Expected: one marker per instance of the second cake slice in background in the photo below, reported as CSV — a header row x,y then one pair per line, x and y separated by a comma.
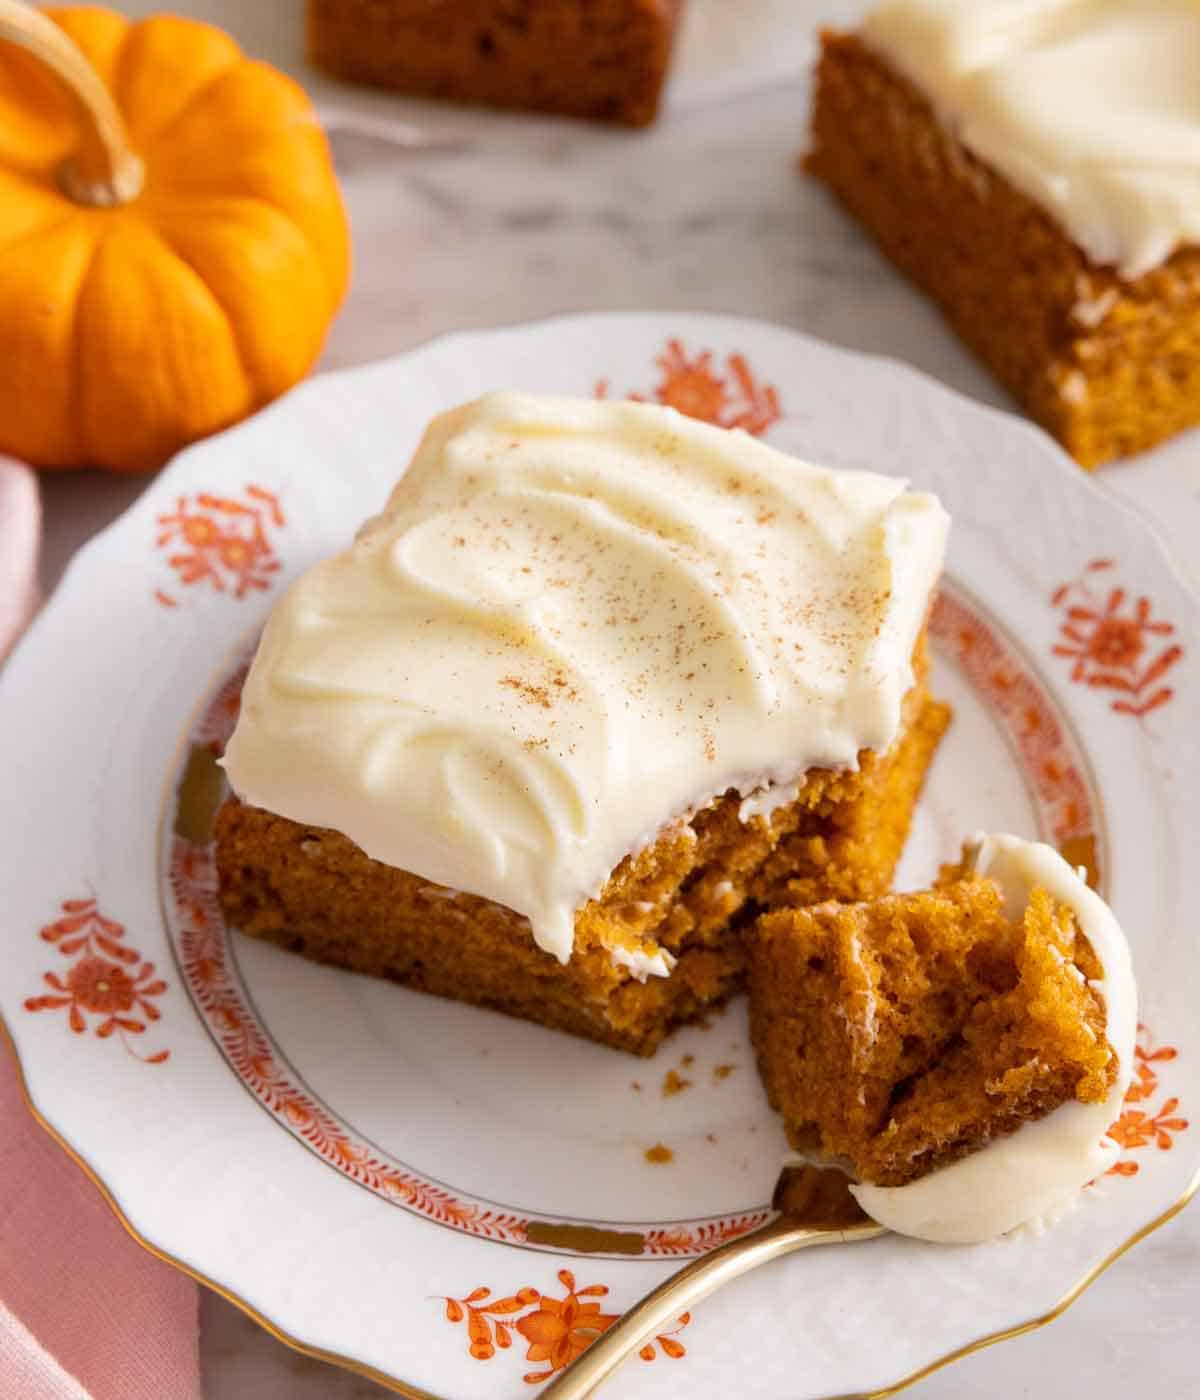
x,y
1034,169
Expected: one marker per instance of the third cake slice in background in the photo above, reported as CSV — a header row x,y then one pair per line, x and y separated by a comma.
x,y
1035,168
602,59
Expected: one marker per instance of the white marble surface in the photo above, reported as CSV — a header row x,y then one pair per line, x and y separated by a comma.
x,y
502,219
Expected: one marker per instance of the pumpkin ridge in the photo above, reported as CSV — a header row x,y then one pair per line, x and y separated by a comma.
x,y
330,277
52,225
226,315
99,239
118,68
140,272
119,83
198,97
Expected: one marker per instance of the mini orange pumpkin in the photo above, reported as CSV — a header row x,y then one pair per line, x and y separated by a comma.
x,y
148,299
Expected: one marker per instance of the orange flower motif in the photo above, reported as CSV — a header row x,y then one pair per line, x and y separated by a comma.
x,y
1115,641
1136,1127
693,385
690,385
96,985
99,982
666,1340
489,1323
1145,1076
224,542
1109,640
561,1329
557,1330
197,530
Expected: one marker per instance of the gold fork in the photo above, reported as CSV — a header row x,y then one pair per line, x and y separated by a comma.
x,y
814,1206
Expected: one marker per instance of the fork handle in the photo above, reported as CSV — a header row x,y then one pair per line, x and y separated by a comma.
x,y
683,1290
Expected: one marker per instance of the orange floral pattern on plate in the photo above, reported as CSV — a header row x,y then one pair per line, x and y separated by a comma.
x,y
556,1330
1139,1127
693,385
699,1239
108,987
222,542
1049,760
203,958
1115,642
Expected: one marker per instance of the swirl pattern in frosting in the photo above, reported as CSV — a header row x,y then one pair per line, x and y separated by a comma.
x,y
572,623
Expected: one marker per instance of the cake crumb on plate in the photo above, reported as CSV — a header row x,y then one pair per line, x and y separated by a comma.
x,y
674,1083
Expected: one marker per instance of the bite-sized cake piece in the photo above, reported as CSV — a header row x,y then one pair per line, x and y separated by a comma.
x,y
962,1050
530,740
1033,168
604,59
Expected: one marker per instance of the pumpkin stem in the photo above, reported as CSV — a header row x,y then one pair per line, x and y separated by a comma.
x,y
104,170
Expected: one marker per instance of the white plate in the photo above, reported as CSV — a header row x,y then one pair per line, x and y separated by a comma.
x,y
452,1200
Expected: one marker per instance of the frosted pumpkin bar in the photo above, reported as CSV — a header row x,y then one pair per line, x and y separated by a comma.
x,y
962,1050
1034,166
530,740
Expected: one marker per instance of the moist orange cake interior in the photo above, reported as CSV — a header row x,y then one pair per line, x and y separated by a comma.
x,y
314,891
902,1034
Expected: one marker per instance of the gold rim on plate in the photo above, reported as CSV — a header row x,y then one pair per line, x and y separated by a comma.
x,y
399,1387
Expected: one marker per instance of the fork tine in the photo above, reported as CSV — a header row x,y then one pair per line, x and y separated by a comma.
x,y
818,1197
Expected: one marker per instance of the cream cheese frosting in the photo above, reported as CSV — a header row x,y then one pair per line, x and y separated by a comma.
x,y
1041,1167
572,622
1089,107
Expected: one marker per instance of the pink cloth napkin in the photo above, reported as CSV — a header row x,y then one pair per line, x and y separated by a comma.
x,y
20,531
85,1312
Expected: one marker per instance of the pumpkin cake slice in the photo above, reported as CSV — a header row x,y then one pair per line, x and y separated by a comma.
x,y
531,739
902,1036
1032,167
602,59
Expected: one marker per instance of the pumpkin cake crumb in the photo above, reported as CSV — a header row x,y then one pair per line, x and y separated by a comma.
x,y
659,1155
674,1083
904,1033
723,1071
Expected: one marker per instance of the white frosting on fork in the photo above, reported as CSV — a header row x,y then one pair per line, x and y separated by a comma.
x,y
1041,1167
573,622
